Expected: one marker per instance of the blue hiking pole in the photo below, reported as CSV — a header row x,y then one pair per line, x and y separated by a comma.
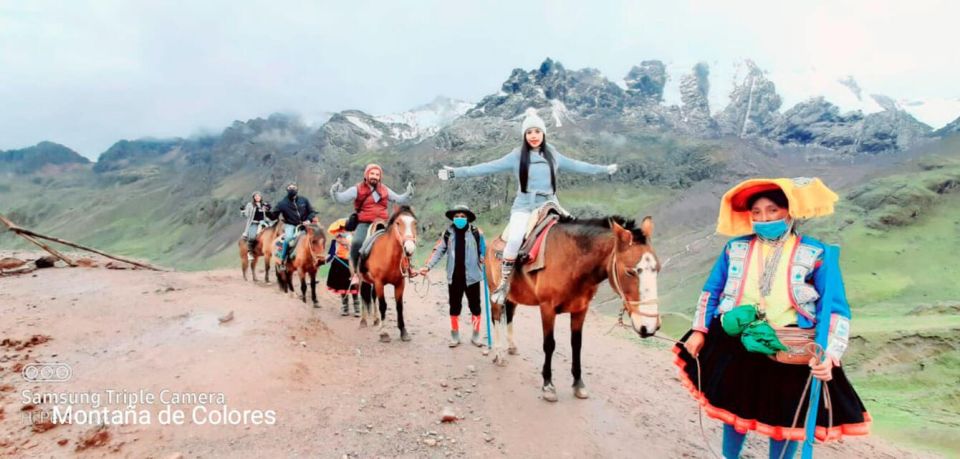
x,y
831,258
486,292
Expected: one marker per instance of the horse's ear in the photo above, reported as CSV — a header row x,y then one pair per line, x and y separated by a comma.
x,y
622,235
647,227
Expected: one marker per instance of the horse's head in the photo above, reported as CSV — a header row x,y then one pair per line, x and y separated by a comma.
x,y
633,274
318,241
403,224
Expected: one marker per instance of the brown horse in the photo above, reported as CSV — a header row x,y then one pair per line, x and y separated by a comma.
x,y
580,254
263,248
389,263
304,260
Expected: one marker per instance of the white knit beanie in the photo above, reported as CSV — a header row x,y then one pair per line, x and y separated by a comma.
x,y
532,120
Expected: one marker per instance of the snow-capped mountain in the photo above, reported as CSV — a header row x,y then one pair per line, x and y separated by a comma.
x,y
355,130
425,120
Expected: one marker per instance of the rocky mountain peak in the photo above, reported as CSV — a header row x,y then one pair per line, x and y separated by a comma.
x,y
646,81
32,159
754,105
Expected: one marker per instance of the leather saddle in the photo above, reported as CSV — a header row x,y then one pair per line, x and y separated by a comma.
x,y
531,256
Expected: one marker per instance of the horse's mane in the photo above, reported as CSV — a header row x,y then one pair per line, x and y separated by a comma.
x,y
591,227
402,210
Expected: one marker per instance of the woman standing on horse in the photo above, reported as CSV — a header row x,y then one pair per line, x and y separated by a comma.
x,y
535,164
750,341
339,278
462,243
256,212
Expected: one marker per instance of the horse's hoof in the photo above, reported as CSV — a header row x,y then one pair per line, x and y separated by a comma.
x,y
549,393
384,337
316,305
512,350
580,390
363,323
499,360
404,336
376,322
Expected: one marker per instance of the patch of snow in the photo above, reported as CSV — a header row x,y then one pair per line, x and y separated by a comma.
x,y
373,132
425,120
559,112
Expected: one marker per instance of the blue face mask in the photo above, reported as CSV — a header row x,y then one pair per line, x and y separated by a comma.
x,y
460,222
771,230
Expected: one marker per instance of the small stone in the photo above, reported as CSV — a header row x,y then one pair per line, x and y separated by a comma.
x,y
303,344
488,439
227,318
443,383
448,415
429,442
472,368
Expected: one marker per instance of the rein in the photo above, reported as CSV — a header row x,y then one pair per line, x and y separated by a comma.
x,y
309,243
615,281
405,270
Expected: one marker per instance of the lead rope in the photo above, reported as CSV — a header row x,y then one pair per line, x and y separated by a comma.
x,y
422,286
818,352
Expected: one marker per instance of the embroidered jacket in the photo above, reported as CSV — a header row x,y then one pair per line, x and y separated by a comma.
x,y
815,283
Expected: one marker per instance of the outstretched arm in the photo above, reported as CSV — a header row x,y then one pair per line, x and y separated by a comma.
x,y
344,196
400,198
572,165
504,164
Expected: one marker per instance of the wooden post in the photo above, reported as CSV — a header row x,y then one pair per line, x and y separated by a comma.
x,y
43,246
29,235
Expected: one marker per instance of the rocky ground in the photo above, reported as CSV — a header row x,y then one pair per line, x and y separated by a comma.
x,y
336,390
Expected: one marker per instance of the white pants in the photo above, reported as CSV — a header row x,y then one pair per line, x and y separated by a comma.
x,y
515,231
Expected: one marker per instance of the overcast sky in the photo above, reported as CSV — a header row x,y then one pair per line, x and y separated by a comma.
x,y
88,73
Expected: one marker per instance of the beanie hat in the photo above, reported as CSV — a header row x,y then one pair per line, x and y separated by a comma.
x,y
532,120
370,167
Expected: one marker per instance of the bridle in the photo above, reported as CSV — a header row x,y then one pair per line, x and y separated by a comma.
x,y
615,282
404,258
309,242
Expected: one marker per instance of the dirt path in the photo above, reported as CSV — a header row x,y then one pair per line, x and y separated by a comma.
x,y
336,391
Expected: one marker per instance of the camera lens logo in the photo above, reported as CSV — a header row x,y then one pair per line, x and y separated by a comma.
x,y
46,372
